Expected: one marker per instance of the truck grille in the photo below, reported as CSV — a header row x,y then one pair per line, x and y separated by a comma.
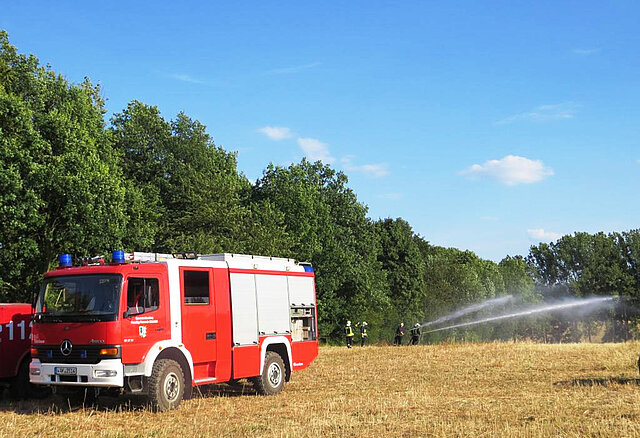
x,y
86,354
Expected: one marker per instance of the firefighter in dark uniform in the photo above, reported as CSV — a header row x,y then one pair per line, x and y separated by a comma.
x,y
415,334
399,334
363,333
348,331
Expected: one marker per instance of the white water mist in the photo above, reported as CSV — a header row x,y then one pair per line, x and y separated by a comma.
x,y
599,301
473,308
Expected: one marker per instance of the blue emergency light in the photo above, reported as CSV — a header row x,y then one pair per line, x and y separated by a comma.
x,y
65,261
308,268
118,257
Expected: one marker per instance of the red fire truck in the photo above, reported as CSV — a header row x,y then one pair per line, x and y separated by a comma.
x,y
15,329
159,324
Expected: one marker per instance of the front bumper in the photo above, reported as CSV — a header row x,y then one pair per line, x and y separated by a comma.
x,y
86,375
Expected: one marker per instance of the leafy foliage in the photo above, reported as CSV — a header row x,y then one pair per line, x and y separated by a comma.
x,y
62,183
328,226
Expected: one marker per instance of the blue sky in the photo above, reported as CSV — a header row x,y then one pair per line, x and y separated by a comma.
x,y
489,126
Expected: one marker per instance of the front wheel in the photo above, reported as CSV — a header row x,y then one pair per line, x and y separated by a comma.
x,y
166,385
272,379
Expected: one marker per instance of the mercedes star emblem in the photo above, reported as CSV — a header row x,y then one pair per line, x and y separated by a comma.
x,y
66,347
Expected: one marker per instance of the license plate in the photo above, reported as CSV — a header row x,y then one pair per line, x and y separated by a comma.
x,y
66,371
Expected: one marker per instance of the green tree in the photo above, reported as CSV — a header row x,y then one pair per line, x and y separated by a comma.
x,y
143,139
64,191
204,193
402,262
195,198
517,278
328,226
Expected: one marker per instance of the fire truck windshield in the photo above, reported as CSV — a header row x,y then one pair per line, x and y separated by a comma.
x,y
90,298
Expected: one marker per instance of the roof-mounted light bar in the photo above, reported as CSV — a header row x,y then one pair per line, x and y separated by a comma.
x,y
65,261
117,257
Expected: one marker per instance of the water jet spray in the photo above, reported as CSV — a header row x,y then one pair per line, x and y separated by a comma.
x,y
530,311
470,309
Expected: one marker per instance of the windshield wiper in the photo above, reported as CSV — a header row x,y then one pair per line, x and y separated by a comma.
x,y
94,319
43,317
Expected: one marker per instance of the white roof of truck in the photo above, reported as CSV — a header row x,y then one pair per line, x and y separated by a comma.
x,y
245,261
233,261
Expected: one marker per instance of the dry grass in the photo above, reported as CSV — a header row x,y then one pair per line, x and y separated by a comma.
x,y
474,390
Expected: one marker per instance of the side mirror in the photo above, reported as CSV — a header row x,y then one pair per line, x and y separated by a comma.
x,y
133,311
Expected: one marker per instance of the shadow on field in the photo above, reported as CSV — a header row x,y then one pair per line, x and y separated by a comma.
x,y
599,381
236,389
61,404
57,404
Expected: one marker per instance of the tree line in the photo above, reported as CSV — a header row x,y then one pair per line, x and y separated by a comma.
x,y
72,181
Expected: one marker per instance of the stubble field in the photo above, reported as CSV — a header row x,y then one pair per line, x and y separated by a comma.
x,y
499,389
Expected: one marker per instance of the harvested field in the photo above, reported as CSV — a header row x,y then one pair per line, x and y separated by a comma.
x,y
498,389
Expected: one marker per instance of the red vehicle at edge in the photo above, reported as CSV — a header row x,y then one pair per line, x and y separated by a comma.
x,y
15,334
159,325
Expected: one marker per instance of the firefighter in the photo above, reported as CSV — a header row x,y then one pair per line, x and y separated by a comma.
x,y
363,333
415,334
348,331
399,334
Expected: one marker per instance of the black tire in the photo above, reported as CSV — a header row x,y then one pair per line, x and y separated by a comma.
x,y
273,375
21,388
166,385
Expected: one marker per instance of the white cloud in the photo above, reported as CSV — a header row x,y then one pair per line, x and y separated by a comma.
x,y
375,170
510,170
293,69
276,132
542,113
185,78
540,234
586,52
315,150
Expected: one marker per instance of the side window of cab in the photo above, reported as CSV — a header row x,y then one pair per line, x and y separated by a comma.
x,y
143,295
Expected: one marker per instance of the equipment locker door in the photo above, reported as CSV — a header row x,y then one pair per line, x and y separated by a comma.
x,y
199,319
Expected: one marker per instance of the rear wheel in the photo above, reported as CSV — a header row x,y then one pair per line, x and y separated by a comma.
x,y
166,385
21,388
273,375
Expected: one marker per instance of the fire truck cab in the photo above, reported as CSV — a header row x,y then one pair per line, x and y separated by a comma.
x,y
159,324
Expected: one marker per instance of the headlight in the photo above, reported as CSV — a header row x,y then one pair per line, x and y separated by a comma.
x,y
105,373
34,371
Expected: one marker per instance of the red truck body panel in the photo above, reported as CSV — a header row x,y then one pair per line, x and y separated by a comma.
x,y
15,331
